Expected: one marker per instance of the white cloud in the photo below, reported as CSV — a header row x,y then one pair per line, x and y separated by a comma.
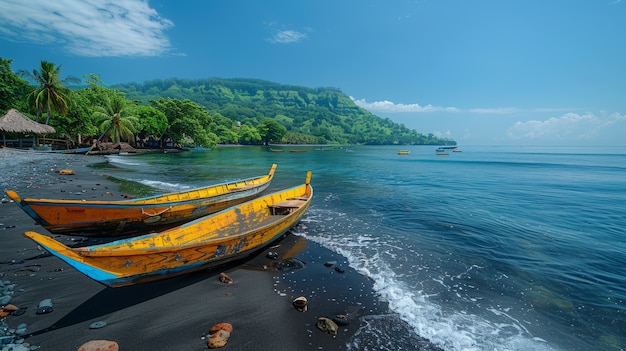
x,y
287,37
570,127
388,106
87,27
391,107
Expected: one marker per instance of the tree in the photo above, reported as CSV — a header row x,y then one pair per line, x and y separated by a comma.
x,y
51,94
248,135
13,89
187,121
271,131
113,118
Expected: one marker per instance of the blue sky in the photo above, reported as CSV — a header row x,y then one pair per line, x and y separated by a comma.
x,y
483,72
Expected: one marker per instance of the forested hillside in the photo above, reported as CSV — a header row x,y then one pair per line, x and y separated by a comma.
x,y
310,115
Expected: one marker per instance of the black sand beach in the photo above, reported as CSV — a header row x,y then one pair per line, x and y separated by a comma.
x,y
172,314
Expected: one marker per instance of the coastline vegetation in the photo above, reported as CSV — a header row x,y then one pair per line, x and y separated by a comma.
x,y
201,112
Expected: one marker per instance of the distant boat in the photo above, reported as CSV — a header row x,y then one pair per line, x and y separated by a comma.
x,y
441,152
97,218
403,152
457,150
277,150
200,244
297,150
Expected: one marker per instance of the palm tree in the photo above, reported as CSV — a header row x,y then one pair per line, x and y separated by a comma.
x,y
51,94
112,118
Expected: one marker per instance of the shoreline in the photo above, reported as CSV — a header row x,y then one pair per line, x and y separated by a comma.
x,y
175,313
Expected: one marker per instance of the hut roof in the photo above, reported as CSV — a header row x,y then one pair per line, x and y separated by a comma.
x,y
16,122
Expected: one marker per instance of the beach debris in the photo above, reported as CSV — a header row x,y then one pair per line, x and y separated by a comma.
x,y
341,319
45,306
99,345
65,172
97,325
220,333
273,255
300,303
327,325
224,278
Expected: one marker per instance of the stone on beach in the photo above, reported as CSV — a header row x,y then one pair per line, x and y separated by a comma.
x,y
326,325
45,306
220,333
10,308
66,172
300,303
218,339
99,345
97,325
224,278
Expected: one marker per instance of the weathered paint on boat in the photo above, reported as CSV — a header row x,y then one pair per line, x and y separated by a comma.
x,y
199,244
141,215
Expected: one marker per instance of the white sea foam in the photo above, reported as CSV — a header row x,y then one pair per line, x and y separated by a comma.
x,y
456,330
122,160
164,185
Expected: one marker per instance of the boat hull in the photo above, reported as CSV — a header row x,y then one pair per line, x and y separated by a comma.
x,y
128,217
203,243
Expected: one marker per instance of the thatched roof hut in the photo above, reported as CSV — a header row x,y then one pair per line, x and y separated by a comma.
x,y
15,122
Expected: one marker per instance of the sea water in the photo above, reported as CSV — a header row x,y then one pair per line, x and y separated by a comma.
x,y
491,248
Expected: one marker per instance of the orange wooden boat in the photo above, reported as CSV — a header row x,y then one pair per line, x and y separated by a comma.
x,y
141,215
202,243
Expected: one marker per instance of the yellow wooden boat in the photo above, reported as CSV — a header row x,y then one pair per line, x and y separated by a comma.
x,y
403,152
141,215
214,239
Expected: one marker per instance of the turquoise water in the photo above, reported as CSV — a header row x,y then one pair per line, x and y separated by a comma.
x,y
492,248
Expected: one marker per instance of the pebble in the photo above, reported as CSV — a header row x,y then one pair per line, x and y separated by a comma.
x,y
272,255
339,269
4,299
330,263
11,339
224,278
10,308
99,345
220,333
45,306
218,339
21,329
300,304
97,325
326,325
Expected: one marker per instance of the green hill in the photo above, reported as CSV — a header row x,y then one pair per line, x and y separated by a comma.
x,y
310,115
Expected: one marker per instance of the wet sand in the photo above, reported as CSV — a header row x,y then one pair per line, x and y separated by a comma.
x,y
176,313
